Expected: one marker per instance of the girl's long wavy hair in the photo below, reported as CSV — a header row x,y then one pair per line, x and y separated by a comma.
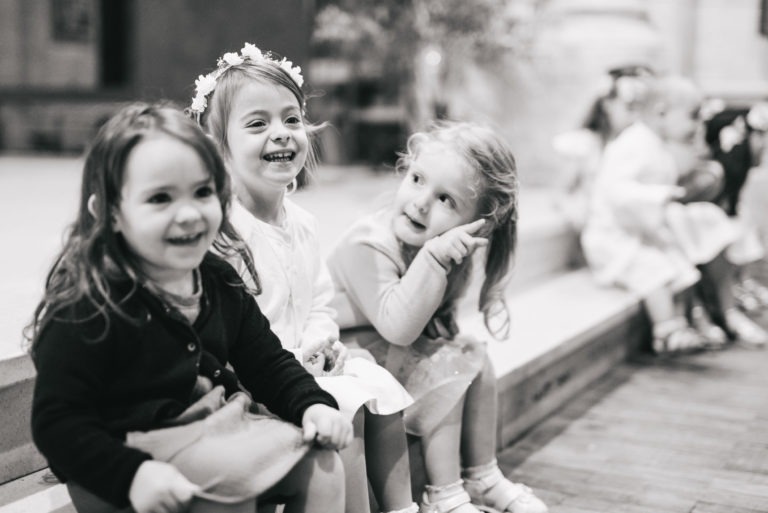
x,y
497,202
94,256
215,118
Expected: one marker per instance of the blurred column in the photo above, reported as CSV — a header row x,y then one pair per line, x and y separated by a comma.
x,y
532,99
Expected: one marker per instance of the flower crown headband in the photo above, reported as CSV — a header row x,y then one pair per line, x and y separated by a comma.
x,y
629,88
205,84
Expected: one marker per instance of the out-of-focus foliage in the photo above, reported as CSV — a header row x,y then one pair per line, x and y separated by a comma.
x,y
389,33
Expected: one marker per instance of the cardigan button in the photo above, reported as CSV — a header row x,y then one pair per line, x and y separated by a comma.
x,y
191,347
217,373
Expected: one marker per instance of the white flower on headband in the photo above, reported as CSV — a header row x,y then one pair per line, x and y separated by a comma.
x,y
732,134
710,107
205,84
757,117
232,58
251,52
294,72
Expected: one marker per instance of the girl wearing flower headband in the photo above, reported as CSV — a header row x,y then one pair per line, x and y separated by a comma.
x,y
253,106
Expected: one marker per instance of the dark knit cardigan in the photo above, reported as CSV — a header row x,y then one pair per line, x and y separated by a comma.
x,y
89,394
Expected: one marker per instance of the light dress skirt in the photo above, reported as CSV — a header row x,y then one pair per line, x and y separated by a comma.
x,y
618,258
701,229
231,453
364,383
435,372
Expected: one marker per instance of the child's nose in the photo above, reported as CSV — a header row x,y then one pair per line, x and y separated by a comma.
x,y
187,213
421,203
280,133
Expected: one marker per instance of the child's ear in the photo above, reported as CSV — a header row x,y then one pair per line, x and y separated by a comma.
x,y
92,206
95,213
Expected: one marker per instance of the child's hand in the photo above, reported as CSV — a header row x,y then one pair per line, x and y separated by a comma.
x,y
159,487
676,193
456,244
325,358
327,426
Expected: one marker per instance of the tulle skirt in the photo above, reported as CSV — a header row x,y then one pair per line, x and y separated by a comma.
x,y
702,230
435,372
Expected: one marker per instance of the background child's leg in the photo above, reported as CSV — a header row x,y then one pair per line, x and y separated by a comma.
x,y
478,433
745,330
316,483
353,458
386,456
660,305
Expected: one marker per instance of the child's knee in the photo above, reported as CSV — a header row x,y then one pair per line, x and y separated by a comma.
x,y
326,469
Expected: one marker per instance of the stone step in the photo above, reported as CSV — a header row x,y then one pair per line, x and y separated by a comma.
x,y
566,332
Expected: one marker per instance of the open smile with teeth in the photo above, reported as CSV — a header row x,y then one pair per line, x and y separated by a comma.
x,y
280,156
184,240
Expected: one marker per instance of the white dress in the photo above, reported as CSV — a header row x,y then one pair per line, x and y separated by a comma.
x,y
634,236
296,292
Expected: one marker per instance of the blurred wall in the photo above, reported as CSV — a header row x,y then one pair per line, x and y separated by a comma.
x,y
176,40
67,64
718,43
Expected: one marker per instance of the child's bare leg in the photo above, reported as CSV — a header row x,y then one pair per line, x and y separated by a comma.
x,y
478,434
660,305
353,458
671,330
441,449
386,455
316,483
483,479
443,465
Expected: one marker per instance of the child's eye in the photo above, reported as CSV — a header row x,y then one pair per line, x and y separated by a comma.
x,y
160,197
416,178
293,120
205,191
446,200
258,123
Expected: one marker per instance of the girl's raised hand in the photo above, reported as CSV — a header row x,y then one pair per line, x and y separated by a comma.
x,y
327,426
159,487
325,357
456,244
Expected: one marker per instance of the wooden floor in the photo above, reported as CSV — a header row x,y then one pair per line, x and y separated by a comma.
x,y
683,435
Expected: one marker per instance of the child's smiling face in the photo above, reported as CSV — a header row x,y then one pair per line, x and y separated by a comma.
x,y
169,212
266,138
439,192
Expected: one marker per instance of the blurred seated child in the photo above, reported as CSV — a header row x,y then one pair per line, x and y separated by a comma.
x,y
582,149
736,139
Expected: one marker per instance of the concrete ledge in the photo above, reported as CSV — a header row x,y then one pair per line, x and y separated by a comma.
x,y
18,456
565,333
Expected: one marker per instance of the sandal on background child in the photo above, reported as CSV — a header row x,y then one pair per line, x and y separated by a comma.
x,y
676,336
751,296
712,335
747,331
